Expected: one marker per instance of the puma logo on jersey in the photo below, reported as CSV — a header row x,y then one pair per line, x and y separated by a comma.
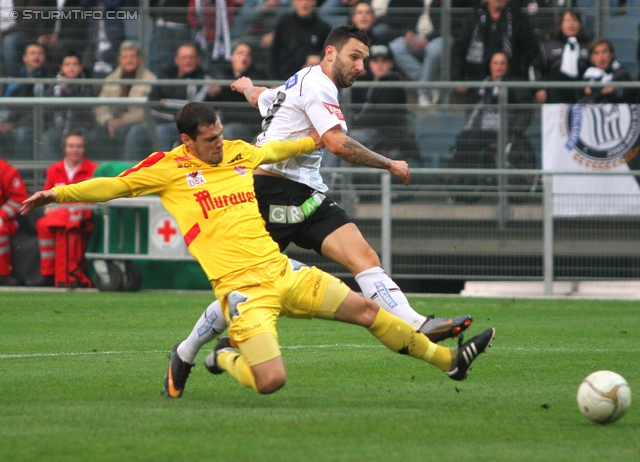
x,y
334,110
235,159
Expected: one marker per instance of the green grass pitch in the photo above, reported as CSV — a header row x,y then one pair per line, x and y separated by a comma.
x,y
81,374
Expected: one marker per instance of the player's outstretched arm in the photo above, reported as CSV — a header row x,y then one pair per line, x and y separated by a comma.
x,y
94,190
354,152
275,151
39,199
245,86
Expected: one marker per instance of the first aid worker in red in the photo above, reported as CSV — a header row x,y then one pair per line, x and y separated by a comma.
x,y
62,231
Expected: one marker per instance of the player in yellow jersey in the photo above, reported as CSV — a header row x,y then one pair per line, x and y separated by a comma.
x,y
207,185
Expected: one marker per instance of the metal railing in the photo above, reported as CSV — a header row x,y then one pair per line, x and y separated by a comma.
x,y
498,226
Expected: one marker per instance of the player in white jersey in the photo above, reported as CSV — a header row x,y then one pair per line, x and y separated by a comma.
x,y
291,195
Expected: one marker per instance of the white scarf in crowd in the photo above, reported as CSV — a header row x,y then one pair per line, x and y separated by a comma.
x,y
570,57
222,38
222,41
6,23
597,74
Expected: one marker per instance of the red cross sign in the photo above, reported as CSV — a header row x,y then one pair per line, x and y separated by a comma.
x,y
166,231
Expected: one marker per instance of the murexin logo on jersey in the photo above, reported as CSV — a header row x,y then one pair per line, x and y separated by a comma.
x,y
603,135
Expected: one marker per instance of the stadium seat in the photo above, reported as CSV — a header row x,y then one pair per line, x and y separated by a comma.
x,y
435,134
626,47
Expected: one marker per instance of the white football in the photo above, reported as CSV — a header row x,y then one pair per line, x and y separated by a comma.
x,y
604,397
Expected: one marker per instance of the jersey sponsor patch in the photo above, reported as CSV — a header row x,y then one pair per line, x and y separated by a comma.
x,y
334,110
240,170
195,178
293,80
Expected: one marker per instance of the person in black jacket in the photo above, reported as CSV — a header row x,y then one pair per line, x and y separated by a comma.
x,y
61,35
186,65
496,26
606,68
170,29
60,120
476,144
239,123
385,129
563,58
16,128
297,35
169,99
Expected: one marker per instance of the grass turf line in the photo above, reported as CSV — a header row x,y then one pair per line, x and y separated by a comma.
x,y
97,396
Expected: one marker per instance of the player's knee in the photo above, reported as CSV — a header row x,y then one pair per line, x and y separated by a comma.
x,y
371,257
270,383
369,311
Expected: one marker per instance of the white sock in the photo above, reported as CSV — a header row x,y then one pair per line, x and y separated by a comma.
x,y
211,324
379,287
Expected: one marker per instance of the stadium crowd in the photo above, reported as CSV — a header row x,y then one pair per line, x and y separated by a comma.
x,y
490,41
272,39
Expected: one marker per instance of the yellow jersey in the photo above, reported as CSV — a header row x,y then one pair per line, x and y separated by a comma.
x,y
214,205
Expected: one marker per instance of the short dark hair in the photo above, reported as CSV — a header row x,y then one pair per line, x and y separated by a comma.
x,y
71,54
33,44
340,35
607,42
71,133
193,116
193,45
582,33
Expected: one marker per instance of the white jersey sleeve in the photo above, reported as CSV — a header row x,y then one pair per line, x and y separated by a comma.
x,y
266,98
308,100
322,107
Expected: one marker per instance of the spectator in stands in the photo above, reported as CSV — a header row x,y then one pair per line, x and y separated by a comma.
x,y
297,35
73,168
106,35
254,25
238,122
497,25
362,17
62,34
563,58
476,144
186,65
16,131
61,119
605,68
421,38
20,32
170,29
115,123
386,129
333,12
12,193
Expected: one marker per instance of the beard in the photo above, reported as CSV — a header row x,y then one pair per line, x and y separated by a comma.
x,y
341,75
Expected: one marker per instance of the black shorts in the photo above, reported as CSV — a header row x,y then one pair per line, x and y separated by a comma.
x,y
308,234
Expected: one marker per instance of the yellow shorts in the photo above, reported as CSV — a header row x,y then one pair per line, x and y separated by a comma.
x,y
253,299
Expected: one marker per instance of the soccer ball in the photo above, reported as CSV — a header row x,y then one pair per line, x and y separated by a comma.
x,y
604,397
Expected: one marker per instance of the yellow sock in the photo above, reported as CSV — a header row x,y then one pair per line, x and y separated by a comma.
x,y
235,364
401,337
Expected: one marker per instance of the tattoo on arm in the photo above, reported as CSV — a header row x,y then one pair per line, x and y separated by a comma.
x,y
355,153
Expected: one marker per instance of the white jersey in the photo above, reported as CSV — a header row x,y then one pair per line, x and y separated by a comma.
x,y
306,101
